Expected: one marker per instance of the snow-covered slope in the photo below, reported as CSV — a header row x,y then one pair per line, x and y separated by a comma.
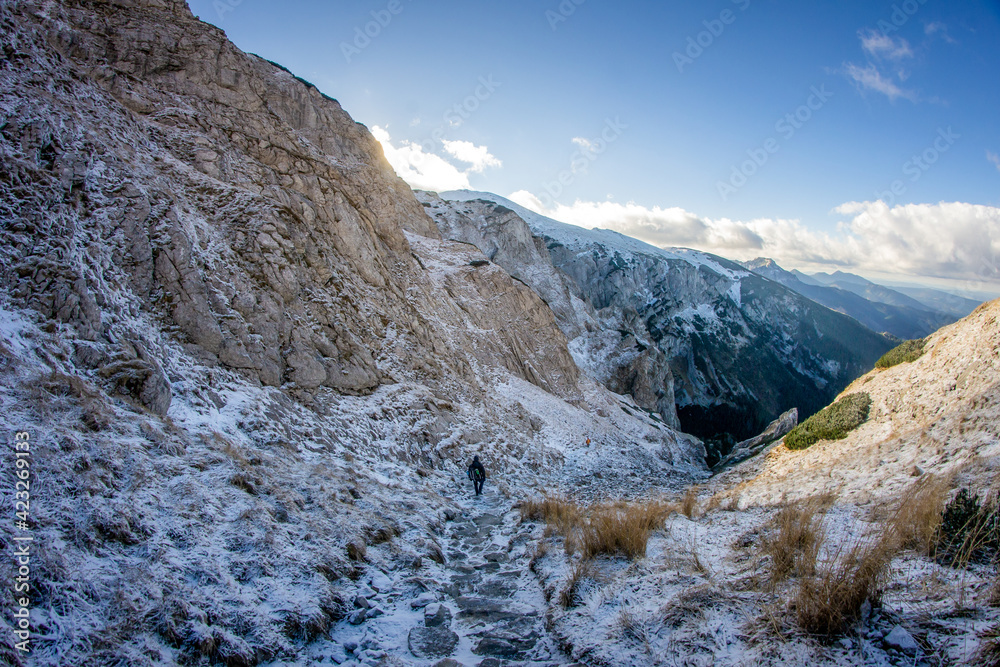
x,y
670,327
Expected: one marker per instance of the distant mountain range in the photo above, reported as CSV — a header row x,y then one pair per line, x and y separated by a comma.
x,y
915,297
916,314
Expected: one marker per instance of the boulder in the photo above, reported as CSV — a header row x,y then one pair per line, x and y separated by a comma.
x,y
901,640
776,430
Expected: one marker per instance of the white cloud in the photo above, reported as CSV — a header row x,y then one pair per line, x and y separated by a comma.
x,y
994,158
424,171
869,78
660,226
953,241
885,54
478,156
946,240
880,45
427,171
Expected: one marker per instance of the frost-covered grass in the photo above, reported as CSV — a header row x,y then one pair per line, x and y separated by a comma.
x,y
689,502
918,518
831,423
830,600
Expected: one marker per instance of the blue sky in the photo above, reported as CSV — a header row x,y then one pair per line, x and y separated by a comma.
x,y
743,127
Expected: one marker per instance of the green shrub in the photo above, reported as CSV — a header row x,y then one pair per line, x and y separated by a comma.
x,y
969,531
833,422
904,353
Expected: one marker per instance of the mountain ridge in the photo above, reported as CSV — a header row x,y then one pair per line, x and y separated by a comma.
x,y
898,319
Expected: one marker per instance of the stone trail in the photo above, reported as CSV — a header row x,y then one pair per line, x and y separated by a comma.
x,y
482,607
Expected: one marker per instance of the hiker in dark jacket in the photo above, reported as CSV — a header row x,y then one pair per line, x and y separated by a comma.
x,y
477,473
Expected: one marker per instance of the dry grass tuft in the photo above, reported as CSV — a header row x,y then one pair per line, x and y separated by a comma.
x,y
988,654
691,604
433,551
689,503
631,627
570,595
994,598
357,551
380,534
622,529
541,551
714,503
562,514
918,517
618,529
831,600
795,540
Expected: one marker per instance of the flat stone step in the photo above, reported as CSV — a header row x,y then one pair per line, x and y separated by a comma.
x,y
496,589
483,609
434,642
488,520
500,648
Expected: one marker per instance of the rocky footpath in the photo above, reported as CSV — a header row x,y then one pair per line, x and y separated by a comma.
x,y
477,604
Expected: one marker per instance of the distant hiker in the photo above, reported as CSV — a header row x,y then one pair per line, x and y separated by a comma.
x,y
588,442
477,473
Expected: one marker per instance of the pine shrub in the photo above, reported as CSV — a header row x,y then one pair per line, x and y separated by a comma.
x,y
904,353
831,423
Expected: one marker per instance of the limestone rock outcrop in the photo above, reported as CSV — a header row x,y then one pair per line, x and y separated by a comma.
x,y
151,167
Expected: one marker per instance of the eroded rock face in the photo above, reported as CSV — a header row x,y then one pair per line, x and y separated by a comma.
x,y
152,167
613,357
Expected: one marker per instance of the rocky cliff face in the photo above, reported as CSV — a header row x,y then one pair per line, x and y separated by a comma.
x,y
173,175
730,350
